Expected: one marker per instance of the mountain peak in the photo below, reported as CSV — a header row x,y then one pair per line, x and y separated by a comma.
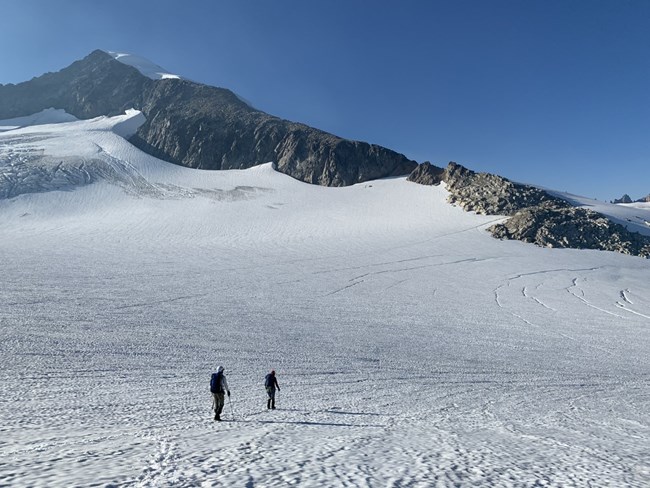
x,y
196,125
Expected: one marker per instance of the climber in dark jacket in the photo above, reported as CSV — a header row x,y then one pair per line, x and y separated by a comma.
x,y
271,383
218,386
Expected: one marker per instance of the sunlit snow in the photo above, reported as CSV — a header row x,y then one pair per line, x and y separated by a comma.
x,y
411,347
47,116
146,67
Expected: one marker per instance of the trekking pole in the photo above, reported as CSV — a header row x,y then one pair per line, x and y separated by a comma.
x,y
231,410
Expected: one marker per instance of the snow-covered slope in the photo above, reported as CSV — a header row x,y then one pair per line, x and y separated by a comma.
x,y
412,348
47,116
146,67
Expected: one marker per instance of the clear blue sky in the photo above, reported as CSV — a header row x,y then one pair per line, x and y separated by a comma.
x,y
551,92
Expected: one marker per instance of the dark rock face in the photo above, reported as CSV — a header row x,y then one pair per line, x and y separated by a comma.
x,y
548,225
427,174
199,126
211,128
645,199
624,199
317,157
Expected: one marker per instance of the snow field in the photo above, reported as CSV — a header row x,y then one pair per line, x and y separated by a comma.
x,y
412,348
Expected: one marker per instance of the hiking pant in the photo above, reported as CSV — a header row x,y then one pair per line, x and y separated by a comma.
x,y
219,402
271,401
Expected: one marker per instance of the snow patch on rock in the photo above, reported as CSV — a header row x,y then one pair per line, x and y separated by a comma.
x,y
146,67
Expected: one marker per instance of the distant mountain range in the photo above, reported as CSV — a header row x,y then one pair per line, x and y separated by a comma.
x,y
204,127
627,199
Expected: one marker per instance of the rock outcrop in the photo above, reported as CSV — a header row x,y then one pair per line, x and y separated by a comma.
x,y
548,225
535,216
200,126
482,193
490,194
427,174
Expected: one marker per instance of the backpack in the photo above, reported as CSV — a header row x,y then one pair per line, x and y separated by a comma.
x,y
269,381
215,383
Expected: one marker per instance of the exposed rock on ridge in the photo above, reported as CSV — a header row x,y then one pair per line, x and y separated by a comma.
x,y
427,174
211,128
490,194
571,227
200,126
482,193
536,216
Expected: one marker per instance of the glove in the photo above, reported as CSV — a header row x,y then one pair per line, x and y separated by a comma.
x,y
228,392
278,388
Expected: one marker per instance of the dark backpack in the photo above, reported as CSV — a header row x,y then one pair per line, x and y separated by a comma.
x,y
269,381
215,383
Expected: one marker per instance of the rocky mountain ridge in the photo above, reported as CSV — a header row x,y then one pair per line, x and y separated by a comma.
x,y
206,127
483,193
201,126
535,216
627,199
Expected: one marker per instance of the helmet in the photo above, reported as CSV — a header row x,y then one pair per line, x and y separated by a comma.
x,y
219,369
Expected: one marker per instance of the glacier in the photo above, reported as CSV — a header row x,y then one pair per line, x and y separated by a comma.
x,y
411,347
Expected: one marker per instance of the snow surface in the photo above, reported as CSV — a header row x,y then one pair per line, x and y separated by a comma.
x,y
146,67
411,347
47,116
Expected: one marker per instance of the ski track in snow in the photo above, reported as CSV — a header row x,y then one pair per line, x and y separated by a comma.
x,y
412,349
